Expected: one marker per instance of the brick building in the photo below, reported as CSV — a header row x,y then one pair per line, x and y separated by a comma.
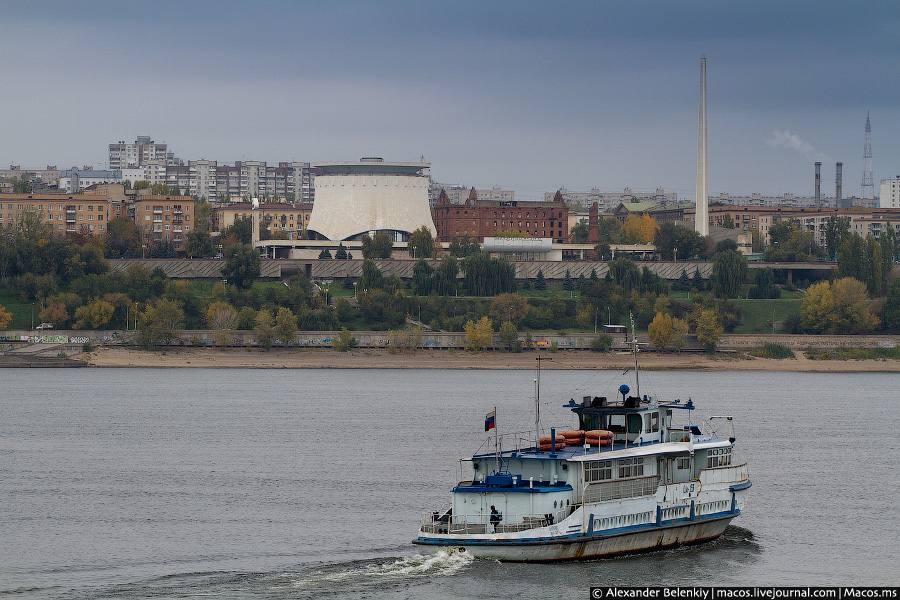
x,y
483,218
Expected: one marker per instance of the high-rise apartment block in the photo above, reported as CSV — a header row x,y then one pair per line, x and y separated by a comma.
x,y
889,196
610,200
123,155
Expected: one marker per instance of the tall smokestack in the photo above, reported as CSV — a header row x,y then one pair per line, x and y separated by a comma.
x,y
838,184
701,212
818,184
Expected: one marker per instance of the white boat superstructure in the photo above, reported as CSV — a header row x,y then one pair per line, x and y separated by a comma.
x,y
626,480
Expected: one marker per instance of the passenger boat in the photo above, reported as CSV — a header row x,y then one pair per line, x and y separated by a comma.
x,y
627,479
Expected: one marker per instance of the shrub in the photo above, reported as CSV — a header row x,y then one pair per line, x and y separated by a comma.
x,y
772,350
602,343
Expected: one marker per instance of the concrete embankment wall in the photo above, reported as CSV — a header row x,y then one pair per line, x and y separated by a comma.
x,y
26,342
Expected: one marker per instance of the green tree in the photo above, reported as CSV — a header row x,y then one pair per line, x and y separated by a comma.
x,y
891,314
609,230
285,326
445,275
122,239
670,238
379,246
265,333
509,337
242,265
423,278
159,322
728,273
372,278
421,243
199,244
540,283
837,228
728,221
343,341
602,343
579,232
246,319
486,276
508,307
463,247
241,230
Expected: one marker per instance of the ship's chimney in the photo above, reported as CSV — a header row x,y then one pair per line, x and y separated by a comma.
x,y
838,184
818,183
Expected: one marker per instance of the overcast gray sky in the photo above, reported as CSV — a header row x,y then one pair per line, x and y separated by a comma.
x,y
529,96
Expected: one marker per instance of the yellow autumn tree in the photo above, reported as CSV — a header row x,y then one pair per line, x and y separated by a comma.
x,y
478,335
660,330
5,317
639,229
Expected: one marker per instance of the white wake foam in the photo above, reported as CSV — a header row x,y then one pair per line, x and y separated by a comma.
x,y
441,564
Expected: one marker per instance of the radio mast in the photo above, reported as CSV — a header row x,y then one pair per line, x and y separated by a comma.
x,y
868,188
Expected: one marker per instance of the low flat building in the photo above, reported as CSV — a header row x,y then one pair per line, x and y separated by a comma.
x,y
290,219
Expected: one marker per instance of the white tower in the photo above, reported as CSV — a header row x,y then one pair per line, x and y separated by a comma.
x,y
701,212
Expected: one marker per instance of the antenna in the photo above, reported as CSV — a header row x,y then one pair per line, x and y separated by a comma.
x,y
868,188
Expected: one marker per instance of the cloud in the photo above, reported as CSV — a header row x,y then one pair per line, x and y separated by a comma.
x,y
786,139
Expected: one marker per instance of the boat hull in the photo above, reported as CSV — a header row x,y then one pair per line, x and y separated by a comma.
x,y
581,547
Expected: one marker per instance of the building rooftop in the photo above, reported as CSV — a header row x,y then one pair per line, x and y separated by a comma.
x,y
371,166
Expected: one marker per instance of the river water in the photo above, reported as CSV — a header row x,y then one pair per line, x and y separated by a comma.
x,y
187,483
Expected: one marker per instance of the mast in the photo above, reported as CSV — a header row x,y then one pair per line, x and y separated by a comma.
x,y
537,401
634,345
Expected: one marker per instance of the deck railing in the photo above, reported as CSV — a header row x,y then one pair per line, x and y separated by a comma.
x,y
620,488
441,522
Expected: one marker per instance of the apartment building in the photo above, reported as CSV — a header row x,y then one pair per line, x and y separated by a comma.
x,y
66,214
123,155
607,201
889,193
458,194
291,219
164,219
863,221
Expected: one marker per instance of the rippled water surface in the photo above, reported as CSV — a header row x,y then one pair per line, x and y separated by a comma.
x,y
185,483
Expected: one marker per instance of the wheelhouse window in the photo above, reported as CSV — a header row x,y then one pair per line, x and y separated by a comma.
x,y
718,457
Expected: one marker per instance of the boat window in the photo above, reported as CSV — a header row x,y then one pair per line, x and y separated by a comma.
x,y
617,423
598,470
631,467
718,457
634,423
654,421
684,463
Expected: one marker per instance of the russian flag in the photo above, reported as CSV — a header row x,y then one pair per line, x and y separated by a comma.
x,y
489,420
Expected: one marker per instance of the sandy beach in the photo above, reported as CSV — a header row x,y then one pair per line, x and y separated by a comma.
x,y
323,358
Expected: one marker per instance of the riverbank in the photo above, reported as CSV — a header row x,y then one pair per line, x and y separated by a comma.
x,y
374,358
